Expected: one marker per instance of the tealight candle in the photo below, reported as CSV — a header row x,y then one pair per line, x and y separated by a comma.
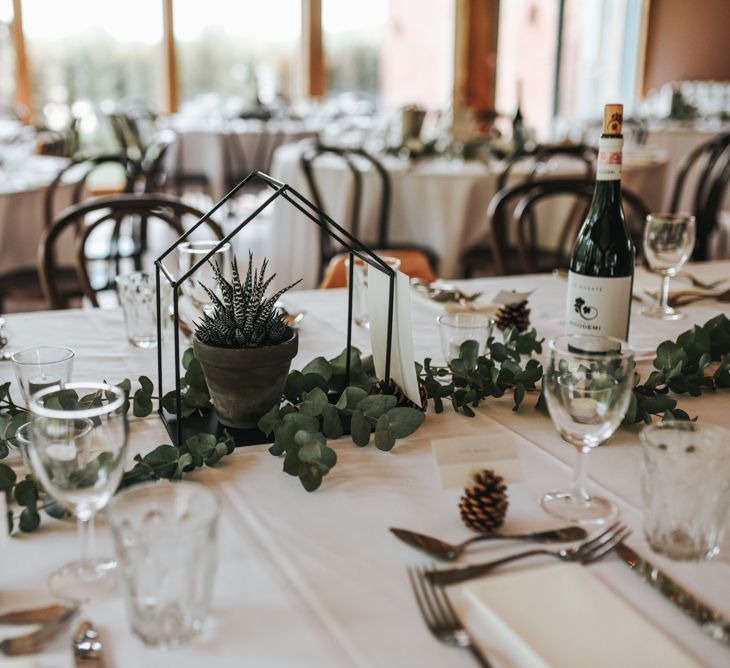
x,y
584,409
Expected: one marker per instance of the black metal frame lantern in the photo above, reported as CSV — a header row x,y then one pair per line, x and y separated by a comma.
x,y
175,423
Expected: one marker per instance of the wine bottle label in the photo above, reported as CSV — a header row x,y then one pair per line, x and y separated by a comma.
x,y
598,306
609,159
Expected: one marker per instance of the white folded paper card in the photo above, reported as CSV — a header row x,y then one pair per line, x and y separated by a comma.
x,y
458,457
402,358
562,616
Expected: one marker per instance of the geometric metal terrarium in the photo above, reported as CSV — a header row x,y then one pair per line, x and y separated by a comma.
x,y
180,427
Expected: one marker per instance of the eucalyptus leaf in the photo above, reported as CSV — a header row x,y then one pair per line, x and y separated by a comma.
x,y
377,404
350,399
320,366
331,422
314,403
360,428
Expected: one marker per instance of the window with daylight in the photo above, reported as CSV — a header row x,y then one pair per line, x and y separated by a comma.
x,y
600,49
247,51
528,41
392,52
598,44
82,52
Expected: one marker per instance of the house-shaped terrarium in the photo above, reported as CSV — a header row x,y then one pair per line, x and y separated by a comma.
x,y
222,319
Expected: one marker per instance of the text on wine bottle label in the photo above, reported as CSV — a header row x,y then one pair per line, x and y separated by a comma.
x,y
597,305
609,158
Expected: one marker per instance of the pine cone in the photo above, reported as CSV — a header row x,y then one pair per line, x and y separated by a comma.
x,y
516,316
484,505
403,400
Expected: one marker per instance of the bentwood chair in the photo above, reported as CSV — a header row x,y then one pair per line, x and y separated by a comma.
x,y
416,261
24,284
710,164
516,248
538,162
82,220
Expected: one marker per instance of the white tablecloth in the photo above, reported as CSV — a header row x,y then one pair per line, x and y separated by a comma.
x,y
440,204
199,148
21,209
316,579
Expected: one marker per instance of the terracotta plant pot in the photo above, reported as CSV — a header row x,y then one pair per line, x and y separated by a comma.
x,y
245,383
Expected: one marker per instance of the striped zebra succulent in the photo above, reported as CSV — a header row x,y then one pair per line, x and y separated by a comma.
x,y
243,317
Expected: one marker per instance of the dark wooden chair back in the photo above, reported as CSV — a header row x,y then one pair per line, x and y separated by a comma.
x,y
354,158
584,156
512,212
105,210
86,166
710,162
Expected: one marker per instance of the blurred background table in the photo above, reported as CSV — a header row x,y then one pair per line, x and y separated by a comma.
x,y
439,203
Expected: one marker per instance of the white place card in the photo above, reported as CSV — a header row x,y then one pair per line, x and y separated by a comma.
x,y
402,358
459,457
509,297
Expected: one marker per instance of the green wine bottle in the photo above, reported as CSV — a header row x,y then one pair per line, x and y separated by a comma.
x,y
602,265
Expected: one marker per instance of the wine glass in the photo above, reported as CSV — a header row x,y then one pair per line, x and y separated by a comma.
x,y
76,450
587,383
669,239
190,253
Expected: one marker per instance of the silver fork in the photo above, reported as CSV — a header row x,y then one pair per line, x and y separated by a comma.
x,y
698,283
440,616
591,550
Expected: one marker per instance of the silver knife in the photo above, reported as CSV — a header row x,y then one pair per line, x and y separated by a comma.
x,y
711,622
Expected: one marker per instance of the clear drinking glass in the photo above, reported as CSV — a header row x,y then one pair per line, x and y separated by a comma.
x,y
587,394
360,286
76,450
18,446
138,298
456,328
190,253
668,243
45,366
685,481
165,538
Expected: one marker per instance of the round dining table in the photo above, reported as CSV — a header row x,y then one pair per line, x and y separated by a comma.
x,y
438,203
22,215
211,147
317,579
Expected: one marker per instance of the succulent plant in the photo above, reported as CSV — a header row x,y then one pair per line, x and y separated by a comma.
x,y
243,317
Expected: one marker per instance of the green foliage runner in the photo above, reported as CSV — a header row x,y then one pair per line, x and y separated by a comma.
x,y
318,405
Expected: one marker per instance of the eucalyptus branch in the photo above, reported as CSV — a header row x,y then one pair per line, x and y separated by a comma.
x,y
319,404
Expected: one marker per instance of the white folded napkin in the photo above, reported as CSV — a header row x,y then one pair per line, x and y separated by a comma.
x,y
563,616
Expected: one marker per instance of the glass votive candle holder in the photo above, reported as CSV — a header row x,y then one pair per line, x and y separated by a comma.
x,y
42,367
685,482
165,539
457,328
138,298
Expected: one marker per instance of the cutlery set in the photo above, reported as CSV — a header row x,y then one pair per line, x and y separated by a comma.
x,y
53,619
442,621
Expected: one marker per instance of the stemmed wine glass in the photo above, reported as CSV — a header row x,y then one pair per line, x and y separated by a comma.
x,y
76,450
669,239
587,383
